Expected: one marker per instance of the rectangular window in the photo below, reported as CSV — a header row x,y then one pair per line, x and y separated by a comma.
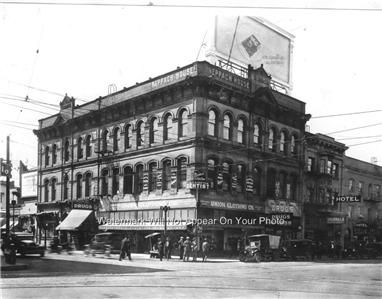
x,y
322,166
310,164
329,167
335,170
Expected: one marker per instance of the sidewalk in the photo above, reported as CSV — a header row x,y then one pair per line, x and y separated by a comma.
x,y
8,267
143,257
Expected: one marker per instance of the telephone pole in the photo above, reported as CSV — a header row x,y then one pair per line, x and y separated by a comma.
x,y
8,174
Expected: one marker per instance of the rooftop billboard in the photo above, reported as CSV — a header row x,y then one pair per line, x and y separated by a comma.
x,y
29,184
255,42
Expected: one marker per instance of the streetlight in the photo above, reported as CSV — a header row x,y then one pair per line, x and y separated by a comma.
x,y
13,218
165,209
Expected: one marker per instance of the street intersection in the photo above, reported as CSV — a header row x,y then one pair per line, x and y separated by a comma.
x,y
78,276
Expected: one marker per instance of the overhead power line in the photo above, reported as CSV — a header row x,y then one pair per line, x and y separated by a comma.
x,y
352,129
380,140
345,114
151,4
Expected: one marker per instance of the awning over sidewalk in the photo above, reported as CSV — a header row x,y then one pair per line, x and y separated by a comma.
x,y
74,220
11,224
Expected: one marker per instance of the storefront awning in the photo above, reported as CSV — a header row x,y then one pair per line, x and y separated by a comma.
x,y
11,224
142,226
74,220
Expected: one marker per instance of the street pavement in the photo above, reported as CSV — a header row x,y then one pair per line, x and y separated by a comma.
x,y
78,276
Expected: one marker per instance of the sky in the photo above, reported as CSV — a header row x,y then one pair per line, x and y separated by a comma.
x,y
49,50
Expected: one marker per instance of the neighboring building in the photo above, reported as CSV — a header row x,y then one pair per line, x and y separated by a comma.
x,y
28,199
324,162
364,219
14,195
206,142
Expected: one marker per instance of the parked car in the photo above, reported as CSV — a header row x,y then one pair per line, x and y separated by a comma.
x,y
373,250
301,248
104,243
25,245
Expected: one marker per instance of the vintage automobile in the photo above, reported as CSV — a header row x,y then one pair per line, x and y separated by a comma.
x,y
25,245
300,248
262,247
104,243
372,250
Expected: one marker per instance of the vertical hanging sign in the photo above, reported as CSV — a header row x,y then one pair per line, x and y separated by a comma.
x,y
249,184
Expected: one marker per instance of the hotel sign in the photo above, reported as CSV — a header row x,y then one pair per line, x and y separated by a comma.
x,y
354,198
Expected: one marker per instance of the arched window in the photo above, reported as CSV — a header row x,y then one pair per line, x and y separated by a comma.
x,y
167,128
166,175
80,151
152,176
271,182
46,190
212,127
116,140
88,147
88,184
182,173
54,154
127,180
282,142
140,134
351,185
240,131
46,156
115,181
271,140
139,175
79,186
256,134
283,184
105,182
227,127
211,172
241,175
154,134
105,140
227,176
293,144
66,186
257,180
370,191
66,151
54,189
127,136
183,123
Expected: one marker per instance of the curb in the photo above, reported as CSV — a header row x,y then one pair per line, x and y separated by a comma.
x,y
14,267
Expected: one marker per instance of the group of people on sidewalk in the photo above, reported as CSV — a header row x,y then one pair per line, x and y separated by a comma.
x,y
187,248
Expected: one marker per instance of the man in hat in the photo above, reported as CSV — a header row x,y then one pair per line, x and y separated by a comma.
x,y
125,248
181,247
205,249
187,249
160,248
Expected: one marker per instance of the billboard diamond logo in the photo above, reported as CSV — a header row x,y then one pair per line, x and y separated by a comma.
x,y
251,44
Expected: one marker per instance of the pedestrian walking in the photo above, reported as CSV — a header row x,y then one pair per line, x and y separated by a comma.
x,y
187,249
160,248
205,249
194,249
181,247
125,248
167,248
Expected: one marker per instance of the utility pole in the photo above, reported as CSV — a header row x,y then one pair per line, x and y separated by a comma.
x,y
7,203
